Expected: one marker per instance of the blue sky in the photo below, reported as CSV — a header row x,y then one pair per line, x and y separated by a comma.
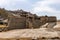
x,y
39,7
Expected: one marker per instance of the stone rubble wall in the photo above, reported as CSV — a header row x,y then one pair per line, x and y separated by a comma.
x,y
17,23
26,21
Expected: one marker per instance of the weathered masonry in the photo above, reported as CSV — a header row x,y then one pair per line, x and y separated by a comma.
x,y
28,20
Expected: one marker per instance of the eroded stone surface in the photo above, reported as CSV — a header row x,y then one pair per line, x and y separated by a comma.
x,y
33,33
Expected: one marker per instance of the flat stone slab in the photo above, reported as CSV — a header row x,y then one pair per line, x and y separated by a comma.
x,y
32,33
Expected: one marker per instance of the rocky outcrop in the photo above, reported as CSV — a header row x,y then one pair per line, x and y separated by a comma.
x,y
31,33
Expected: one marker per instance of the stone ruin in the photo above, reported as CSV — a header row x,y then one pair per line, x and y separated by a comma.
x,y
24,20
28,23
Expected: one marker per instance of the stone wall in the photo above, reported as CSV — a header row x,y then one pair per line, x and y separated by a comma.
x,y
26,21
52,19
17,23
36,24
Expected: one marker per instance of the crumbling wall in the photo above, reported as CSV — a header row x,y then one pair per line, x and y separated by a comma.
x,y
36,24
28,21
52,19
17,23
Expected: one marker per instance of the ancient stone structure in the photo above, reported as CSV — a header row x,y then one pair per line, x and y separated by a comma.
x,y
51,20
23,20
17,23
27,20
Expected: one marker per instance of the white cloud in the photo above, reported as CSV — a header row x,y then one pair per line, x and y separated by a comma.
x,y
43,6
11,2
